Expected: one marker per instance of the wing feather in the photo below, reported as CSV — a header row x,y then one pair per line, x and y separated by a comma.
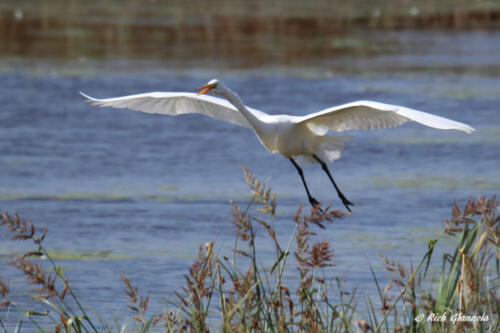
x,y
362,115
175,104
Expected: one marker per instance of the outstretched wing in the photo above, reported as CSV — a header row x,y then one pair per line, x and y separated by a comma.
x,y
174,104
362,115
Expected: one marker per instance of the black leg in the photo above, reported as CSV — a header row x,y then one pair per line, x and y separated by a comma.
x,y
312,201
342,197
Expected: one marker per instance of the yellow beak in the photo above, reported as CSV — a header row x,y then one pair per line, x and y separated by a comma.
x,y
204,89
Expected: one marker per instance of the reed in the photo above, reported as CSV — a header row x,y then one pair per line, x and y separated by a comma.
x,y
51,286
234,293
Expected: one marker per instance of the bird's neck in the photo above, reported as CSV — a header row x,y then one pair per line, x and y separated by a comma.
x,y
234,99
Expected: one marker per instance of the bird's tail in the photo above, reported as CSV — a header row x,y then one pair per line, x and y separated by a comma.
x,y
331,147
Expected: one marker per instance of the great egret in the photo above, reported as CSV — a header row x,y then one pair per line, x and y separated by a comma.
x,y
290,136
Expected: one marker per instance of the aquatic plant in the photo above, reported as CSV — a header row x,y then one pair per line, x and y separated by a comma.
x,y
52,287
467,297
233,292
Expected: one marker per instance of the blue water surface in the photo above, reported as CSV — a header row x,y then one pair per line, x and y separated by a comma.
x,y
134,193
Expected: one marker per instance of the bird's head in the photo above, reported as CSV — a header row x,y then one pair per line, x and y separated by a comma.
x,y
213,86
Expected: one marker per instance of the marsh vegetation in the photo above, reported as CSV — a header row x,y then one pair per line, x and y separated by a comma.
x,y
233,291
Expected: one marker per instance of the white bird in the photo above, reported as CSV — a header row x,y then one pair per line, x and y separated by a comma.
x,y
290,136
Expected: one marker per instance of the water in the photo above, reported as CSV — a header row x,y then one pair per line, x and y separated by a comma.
x,y
132,193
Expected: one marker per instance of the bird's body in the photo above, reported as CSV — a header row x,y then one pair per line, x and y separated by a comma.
x,y
286,135
290,136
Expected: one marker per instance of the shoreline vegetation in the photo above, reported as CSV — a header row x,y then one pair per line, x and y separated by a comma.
x,y
242,33
232,292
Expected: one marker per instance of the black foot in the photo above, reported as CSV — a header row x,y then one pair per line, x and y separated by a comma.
x,y
346,202
315,204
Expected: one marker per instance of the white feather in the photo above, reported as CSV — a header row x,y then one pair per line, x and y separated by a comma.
x,y
173,104
362,115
